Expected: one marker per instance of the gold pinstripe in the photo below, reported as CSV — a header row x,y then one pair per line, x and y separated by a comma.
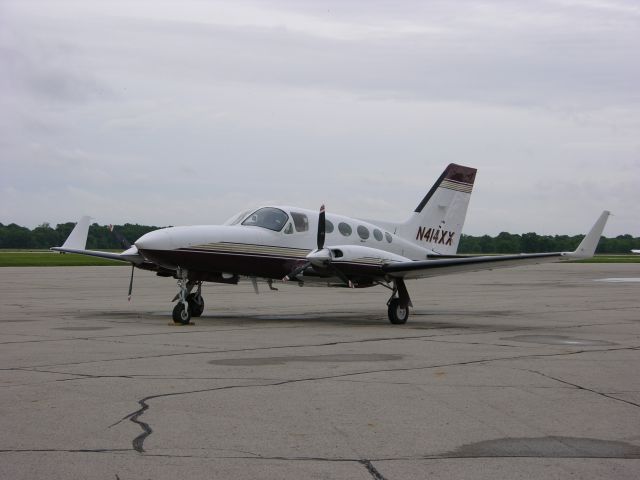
x,y
252,249
266,250
458,186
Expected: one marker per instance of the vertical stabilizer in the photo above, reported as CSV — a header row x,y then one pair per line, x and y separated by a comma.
x,y
437,221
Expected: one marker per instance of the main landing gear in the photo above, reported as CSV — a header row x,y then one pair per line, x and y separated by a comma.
x,y
190,304
399,303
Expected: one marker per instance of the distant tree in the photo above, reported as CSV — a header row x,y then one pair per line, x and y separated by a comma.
x,y
507,243
469,244
44,237
15,236
487,245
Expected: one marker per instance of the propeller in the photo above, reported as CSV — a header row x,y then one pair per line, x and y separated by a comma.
x,y
133,267
127,245
321,257
322,226
121,238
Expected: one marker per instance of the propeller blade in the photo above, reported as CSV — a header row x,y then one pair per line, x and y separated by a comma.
x,y
254,282
297,271
342,277
321,228
131,281
121,238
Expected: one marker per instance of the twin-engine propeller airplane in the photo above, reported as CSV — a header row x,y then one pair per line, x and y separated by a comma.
x,y
293,244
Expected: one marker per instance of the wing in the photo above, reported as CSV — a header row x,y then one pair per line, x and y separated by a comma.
x,y
131,255
432,268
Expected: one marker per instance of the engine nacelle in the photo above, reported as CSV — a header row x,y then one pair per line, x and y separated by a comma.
x,y
360,254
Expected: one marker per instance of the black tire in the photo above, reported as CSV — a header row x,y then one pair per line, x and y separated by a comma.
x,y
397,314
180,314
196,304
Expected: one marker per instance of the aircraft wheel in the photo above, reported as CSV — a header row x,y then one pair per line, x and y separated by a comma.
x,y
397,314
196,304
180,314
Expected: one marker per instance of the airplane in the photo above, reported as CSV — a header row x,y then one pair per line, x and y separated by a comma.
x,y
285,243
635,251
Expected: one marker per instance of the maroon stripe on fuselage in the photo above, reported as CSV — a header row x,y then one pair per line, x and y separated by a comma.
x,y
267,266
246,264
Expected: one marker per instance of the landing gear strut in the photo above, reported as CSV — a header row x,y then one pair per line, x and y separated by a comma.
x,y
399,303
196,302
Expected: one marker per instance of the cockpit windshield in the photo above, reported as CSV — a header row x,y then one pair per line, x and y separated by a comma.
x,y
267,217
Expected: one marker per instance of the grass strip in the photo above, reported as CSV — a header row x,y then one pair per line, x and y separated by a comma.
x,y
45,258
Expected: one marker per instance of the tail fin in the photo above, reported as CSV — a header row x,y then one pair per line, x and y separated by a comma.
x,y
437,221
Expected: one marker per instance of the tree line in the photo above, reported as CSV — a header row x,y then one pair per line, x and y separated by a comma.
x,y
533,243
100,237
45,236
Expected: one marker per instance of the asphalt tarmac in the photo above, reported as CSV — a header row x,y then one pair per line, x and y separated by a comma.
x,y
518,373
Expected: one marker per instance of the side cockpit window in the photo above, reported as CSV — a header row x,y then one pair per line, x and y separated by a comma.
x,y
267,217
301,221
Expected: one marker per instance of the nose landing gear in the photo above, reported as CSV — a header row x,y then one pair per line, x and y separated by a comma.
x,y
189,304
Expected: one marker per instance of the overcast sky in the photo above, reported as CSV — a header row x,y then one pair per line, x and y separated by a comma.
x,y
171,113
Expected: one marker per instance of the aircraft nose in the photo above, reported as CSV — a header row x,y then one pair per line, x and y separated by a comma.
x,y
156,240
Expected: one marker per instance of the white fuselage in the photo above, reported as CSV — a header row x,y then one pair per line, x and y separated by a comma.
x,y
296,237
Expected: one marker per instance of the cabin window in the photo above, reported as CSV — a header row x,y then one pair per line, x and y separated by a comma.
x,y
301,221
377,234
328,226
388,236
267,217
363,232
344,229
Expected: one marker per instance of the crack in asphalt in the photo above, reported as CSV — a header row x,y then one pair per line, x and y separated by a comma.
x,y
130,377
580,387
375,474
239,350
83,375
138,442
467,331
414,384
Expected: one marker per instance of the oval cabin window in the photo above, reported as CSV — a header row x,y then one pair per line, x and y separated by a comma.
x,y
344,229
363,232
